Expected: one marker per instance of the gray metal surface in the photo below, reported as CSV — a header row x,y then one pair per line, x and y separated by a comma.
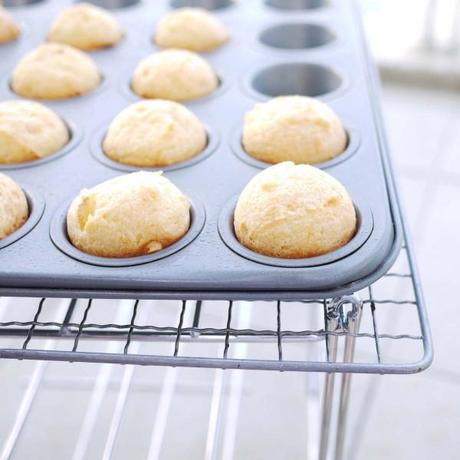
x,y
333,65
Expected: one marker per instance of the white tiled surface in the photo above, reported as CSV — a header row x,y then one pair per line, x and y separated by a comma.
x,y
415,417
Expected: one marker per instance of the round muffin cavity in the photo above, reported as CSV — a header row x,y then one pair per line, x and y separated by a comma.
x,y
14,209
86,27
131,215
192,29
293,128
9,31
294,211
55,71
177,75
29,131
154,133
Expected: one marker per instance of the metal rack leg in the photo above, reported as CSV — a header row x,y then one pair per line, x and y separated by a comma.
x,y
352,325
332,321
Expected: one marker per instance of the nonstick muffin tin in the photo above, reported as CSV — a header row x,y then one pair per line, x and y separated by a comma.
x,y
277,47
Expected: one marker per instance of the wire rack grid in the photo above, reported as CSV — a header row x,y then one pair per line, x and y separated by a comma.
x,y
223,324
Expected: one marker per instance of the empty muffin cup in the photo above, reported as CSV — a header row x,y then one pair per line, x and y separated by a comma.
x,y
113,4
364,228
60,238
206,4
36,205
296,4
300,78
13,3
296,36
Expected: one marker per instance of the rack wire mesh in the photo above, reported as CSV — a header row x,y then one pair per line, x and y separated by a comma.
x,y
76,325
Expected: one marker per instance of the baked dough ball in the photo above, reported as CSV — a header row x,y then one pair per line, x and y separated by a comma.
x,y
154,133
293,128
14,210
192,29
29,131
131,215
9,31
55,71
86,27
177,75
294,211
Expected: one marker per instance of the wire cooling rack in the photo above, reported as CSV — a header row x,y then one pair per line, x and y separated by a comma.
x,y
382,329
390,315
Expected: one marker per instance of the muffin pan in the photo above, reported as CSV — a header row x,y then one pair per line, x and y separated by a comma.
x,y
278,47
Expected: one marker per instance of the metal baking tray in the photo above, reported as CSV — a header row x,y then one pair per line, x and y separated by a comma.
x,y
277,47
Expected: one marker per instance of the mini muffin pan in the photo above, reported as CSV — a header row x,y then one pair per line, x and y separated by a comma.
x,y
278,47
